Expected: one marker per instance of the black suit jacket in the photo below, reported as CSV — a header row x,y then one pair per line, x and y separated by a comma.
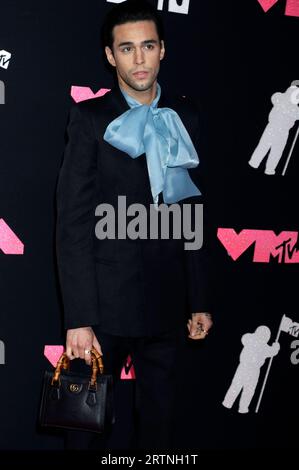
x,y
126,287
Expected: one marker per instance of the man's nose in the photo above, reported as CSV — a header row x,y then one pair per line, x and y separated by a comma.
x,y
139,55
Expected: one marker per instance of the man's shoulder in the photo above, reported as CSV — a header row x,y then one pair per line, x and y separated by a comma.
x,y
187,108
183,103
94,105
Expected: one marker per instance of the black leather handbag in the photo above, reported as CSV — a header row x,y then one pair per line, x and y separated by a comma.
x,y
77,401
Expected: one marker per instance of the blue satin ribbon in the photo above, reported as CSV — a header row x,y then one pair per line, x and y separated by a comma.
x,y
162,136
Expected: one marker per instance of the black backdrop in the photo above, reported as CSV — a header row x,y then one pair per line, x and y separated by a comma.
x,y
230,57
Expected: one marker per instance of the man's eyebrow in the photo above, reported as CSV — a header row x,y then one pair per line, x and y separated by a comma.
x,y
130,43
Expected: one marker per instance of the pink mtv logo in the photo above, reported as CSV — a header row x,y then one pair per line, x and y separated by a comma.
x,y
53,353
266,244
10,244
82,93
292,6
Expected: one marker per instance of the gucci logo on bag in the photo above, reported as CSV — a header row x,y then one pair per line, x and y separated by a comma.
x,y
75,388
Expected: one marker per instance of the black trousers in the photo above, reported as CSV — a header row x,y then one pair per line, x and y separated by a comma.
x,y
155,360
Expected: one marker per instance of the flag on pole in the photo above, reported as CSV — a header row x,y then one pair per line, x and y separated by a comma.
x,y
289,326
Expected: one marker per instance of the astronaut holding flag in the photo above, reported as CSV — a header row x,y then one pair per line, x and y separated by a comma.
x,y
256,349
253,355
287,326
282,117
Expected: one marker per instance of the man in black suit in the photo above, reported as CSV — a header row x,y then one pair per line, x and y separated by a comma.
x,y
127,296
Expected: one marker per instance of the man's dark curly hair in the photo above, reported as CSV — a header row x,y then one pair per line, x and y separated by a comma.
x,y
126,12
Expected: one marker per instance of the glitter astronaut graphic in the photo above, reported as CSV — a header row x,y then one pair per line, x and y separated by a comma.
x,y
253,355
282,117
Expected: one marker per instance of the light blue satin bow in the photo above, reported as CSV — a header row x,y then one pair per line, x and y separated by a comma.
x,y
161,135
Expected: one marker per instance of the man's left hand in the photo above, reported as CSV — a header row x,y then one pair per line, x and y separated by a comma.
x,y
199,325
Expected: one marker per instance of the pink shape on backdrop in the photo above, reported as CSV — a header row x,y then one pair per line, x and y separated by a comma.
x,y
10,244
292,6
128,374
266,244
267,4
53,353
235,243
83,93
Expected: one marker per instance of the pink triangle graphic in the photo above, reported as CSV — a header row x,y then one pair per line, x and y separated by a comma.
x,y
83,93
53,353
130,374
10,244
267,4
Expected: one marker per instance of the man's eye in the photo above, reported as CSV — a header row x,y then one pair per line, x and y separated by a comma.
x,y
126,49
150,46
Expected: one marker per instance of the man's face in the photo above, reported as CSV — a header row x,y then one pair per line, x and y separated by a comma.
x,y
136,54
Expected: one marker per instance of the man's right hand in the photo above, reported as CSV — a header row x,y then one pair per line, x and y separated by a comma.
x,y
79,341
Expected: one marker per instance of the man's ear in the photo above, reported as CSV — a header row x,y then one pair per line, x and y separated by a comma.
x,y
162,52
110,56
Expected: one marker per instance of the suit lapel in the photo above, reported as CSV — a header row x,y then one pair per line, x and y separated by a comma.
x,y
118,101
